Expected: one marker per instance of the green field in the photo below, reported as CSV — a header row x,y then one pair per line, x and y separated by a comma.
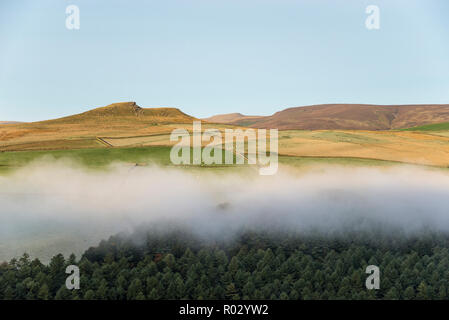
x,y
102,157
309,161
96,157
430,127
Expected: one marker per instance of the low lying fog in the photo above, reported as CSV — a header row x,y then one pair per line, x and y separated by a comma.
x,y
53,207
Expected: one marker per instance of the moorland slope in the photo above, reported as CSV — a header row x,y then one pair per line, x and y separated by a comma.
x,y
81,130
343,117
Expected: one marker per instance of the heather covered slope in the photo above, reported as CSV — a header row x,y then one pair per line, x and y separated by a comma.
x,y
345,117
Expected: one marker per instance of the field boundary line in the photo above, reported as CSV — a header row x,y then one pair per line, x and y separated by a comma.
x,y
104,142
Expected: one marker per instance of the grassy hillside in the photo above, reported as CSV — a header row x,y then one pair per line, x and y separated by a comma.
x,y
430,127
121,113
425,148
409,147
95,158
98,157
101,158
117,119
127,126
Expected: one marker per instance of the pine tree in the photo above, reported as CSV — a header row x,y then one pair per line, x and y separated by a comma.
x,y
294,295
90,295
283,296
392,294
63,294
153,295
57,273
140,296
422,291
409,293
134,289
43,293
9,293
102,291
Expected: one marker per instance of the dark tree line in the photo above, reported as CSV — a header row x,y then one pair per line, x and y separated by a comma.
x,y
252,266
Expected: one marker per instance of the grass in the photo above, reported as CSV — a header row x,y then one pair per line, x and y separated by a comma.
x,y
99,158
55,144
426,148
343,161
121,119
430,127
95,157
336,136
296,147
104,133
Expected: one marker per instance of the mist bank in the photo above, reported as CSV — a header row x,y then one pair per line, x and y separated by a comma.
x,y
53,206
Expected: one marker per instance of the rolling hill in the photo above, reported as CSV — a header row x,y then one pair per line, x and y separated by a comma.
x,y
119,127
343,117
123,113
233,118
81,130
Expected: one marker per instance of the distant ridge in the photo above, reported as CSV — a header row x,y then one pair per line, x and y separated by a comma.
x,y
220,118
9,122
232,118
344,117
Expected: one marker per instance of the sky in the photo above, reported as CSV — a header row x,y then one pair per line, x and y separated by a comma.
x,y
219,56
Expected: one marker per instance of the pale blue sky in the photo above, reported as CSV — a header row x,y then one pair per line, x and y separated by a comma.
x,y
219,56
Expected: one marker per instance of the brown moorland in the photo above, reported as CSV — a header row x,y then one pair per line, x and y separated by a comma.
x,y
343,117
